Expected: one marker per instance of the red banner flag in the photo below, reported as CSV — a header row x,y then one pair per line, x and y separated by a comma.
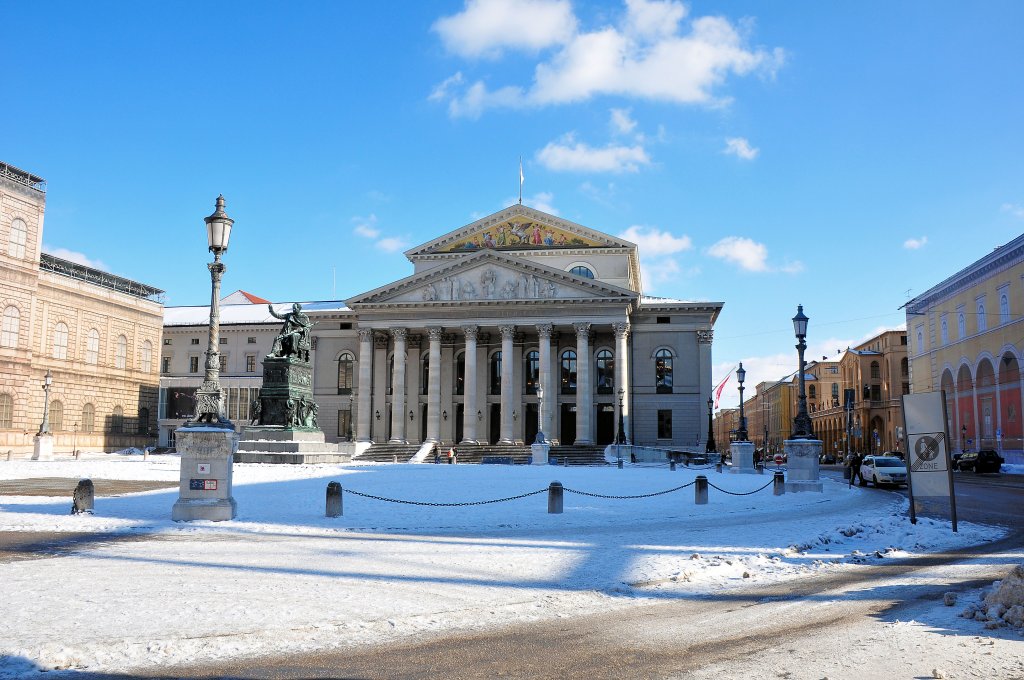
x,y
721,386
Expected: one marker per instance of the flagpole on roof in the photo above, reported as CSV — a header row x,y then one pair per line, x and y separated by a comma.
x,y
521,180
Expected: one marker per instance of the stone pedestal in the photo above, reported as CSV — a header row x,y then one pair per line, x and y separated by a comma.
x,y
803,456
207,456
286,396
742,458
540,453
286,445
42,447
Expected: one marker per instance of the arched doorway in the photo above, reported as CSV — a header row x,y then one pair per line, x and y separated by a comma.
x,y
985,387
965,407
1009,403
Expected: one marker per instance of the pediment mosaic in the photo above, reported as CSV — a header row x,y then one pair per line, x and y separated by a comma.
x,y
519,233
489,282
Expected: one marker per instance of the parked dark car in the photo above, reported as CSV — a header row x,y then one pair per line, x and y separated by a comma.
x,y
828,458
985,460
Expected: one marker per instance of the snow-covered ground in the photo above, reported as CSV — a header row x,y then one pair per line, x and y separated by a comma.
x,y
282,578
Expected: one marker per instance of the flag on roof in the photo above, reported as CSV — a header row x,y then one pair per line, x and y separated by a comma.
x,y
721,386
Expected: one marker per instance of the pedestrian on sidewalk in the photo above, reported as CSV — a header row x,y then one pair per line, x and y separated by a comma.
x,y
855,462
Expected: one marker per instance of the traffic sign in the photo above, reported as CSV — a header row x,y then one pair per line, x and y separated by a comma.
x,y
778,459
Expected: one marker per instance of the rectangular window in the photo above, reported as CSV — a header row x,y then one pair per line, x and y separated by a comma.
x,y
345,424
195,341
167,341
664,424
250,363
876,393
223,363
903,339
250,340
165,364
664,319
906,388
223,341
344,326
193,364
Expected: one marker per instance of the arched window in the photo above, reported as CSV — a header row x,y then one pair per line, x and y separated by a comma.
x,y
19,235
982,322
117,420
345,377
531,376
876,371
10,328
6,411
424,373
143,421
920,341
460,373
56,416
962,326
60,341
390,387
835,392
605,372
580,270
812,393
92,347
88,418
1004,308
568,372
663,371
945,332
494,373
146,363
121,356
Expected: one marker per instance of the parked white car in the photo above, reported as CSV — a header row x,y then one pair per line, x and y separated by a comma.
x,y
883,470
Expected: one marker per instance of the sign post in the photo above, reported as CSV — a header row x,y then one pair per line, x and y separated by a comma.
x,y
929,471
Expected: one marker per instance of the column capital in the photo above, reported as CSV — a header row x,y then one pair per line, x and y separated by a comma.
x,y
471,332
582,327
434,333
507,332
544,331
380,340
365,334
621,329
400,334
705,337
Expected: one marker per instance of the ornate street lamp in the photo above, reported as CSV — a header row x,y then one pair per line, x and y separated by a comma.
x,y
208,406
710,447
539,439
802,423
741,432
44,427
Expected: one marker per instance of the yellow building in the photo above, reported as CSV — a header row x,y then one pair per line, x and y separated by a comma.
x,y
966,338
98,335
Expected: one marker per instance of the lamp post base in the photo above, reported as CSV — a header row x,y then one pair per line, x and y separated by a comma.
x,y
207,458
42,446
742,457
802,462
539,453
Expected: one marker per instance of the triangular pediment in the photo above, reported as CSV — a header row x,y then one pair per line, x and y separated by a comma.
x,y
488,277
518,228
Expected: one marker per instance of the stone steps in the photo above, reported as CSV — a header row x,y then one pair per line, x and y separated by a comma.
x,y
386,453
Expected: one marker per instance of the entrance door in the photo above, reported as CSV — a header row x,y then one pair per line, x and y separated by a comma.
x,y
460,412
605,424
567,434
423,422
531,423
495,424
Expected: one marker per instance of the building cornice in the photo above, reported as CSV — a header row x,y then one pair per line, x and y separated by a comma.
x,y
1001,258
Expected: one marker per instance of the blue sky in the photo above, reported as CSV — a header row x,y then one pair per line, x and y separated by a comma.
x,y
762,154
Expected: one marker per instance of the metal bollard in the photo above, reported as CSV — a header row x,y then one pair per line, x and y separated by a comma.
x,y
83,500
334,503
620,463
565,461
700,490
718,467
10,455
145,454
394,458
780,483
672,465
555,498
78,454
760,468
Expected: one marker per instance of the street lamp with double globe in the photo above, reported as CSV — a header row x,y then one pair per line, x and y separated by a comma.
x,y
802,423
741,432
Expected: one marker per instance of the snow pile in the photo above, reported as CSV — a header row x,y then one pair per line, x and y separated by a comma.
x,y
1003,604
1012,469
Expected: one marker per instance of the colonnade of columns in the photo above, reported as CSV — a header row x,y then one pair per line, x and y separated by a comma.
x,y
372,371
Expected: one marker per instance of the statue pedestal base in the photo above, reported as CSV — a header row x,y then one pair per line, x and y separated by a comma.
x,y
42,447
802,466
269,444
540,453
742,458
204,491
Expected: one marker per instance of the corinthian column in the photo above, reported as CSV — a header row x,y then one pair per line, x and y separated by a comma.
x,y
548,407
434,385
584,386
507,333
622,377
398,387
365,382
469,407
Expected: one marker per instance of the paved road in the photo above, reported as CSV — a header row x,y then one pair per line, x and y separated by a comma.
x,y
670,639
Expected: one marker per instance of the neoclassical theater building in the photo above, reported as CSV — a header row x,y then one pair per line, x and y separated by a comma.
x,y
518,322
523,321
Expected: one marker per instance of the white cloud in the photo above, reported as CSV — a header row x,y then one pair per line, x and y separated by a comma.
x,y
651,240
569,155
794,267
1015,210
740,147
486,28
651,54
75,256
747,253
621,121
366,226
915,243
543,201
392,244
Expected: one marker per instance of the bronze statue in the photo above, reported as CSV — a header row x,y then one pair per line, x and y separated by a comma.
x,y
293,339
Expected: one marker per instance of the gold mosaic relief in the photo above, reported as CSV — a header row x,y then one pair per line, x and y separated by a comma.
x,y
520,234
